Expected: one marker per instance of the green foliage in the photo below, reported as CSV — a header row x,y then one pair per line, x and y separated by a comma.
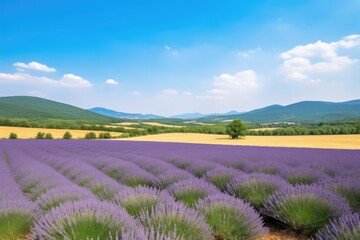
x,y
67,135
40,135
189,196
255,192
305,213
14,225
49,136
134,205
227,223
88,228
104,135
90,135
13,136
236,129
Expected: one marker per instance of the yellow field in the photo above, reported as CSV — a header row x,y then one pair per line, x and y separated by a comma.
x,y
25,133
321,141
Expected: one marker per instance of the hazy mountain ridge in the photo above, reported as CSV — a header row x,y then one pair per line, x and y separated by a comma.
x,y
122,115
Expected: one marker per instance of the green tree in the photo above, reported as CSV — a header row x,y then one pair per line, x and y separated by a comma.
x,y
13,136
67,135
236,129
90,135
40,135
49,136
104,135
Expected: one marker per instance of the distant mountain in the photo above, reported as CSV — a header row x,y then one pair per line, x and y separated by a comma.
x,y
123,115
307,111
40,109
189,116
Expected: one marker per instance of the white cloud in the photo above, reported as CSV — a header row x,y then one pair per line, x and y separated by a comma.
x,y
111,82
187,93
171,92
135,93
303,62
68,80
249,52
241,81
227,84
71,80
34,66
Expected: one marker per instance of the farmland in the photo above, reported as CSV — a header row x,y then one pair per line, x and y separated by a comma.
x,y
308,141
58,189
25,133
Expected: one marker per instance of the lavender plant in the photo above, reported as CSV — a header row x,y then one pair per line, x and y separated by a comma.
x,y
346,227
305,208
175,221
256,188
89,219
190,191
220,177
140,199
231,218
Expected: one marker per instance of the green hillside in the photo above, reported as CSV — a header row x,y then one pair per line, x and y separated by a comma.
x,y
34,108
307,111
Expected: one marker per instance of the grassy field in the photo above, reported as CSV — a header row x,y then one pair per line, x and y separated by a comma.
x,y
25,133
309,141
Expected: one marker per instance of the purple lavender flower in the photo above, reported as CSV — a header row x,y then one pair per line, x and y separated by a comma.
x,y
139,199
89,219
256,188
16,218
231,218
303,175
346,187
346,227
190,191
220,177
305,208
171,176
60,195
175,221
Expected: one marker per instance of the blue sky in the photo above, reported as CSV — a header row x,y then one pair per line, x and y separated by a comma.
x,y
170,57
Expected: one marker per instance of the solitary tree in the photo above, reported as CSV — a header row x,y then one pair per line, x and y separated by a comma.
x,y
67,135
40,135
90,135
49,136
13,136
235,129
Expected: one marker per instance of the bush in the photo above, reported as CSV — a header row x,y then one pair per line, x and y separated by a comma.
x,y
88,219
345,228
236,129
231,218
305,208
67,135
49,136
104,135
90,135
13,136
40,135
175,221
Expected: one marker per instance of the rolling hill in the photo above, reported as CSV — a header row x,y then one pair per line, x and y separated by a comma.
x,y
123,115
40,109
307,111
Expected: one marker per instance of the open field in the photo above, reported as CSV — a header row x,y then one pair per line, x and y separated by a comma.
x,y
25,133
123,188
308,141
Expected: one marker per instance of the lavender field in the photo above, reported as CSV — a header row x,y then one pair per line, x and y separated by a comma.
x,y
81,190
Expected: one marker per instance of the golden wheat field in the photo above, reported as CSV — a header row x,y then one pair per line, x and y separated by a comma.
x,y
25,133
310,141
